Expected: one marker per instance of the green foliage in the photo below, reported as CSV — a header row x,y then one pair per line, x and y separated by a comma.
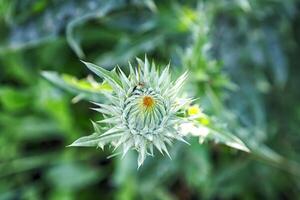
x,y
243,59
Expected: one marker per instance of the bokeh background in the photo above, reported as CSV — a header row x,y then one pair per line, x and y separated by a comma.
x,y
243,58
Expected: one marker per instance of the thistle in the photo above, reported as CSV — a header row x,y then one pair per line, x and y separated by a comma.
x,y
143,112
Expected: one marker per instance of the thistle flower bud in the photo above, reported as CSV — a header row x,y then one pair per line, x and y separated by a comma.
x,y
143,110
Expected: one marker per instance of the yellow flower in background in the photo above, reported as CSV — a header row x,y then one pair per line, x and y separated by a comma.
x,y
196,111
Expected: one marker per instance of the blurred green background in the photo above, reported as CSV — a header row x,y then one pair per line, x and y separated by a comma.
x,y
243,58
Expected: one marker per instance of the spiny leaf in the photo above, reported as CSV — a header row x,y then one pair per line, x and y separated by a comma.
x,y
228,139
82,88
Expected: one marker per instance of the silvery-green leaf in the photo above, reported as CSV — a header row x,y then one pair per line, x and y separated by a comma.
x,y
82,88
228,139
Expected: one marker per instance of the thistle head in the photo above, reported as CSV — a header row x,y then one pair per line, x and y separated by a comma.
x,y
143,110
